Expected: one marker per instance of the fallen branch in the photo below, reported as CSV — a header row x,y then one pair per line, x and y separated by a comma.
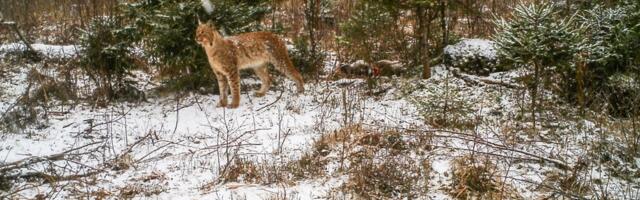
x,y
33,160
14,27
52,178
484,81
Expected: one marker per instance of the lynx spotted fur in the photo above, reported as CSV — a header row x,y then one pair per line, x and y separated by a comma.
x,y
228,55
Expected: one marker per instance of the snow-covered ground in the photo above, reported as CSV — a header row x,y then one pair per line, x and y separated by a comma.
x,y
54,51
178,147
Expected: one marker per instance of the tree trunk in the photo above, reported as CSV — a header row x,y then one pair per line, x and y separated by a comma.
x,y
534,92
313,18
445,29
580,80
423,53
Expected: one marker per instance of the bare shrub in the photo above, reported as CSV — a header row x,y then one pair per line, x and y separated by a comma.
x,y
477,178
242,170
391,177
32,108
283,195
135,190
377,162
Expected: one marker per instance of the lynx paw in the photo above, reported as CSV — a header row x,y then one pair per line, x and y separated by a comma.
x,y
233,105
221,104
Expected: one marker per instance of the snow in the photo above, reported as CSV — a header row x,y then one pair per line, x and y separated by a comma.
x,y
472,47
206,4
191,140
51,51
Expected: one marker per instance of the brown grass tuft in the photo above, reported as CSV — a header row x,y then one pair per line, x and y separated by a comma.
x,y
477,178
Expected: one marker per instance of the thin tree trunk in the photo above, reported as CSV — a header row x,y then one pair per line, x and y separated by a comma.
x,y
534,92
445,29
580,79
313,15
423,54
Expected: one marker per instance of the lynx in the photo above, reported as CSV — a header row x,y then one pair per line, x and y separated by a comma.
x,y
228,55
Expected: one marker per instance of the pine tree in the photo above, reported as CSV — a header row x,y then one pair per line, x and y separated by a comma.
x,y
107,56
538,39
613,57
369,32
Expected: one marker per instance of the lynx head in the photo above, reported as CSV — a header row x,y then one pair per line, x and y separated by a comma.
x,y
206,33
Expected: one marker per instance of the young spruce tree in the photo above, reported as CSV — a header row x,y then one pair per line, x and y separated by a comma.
x,y
538,39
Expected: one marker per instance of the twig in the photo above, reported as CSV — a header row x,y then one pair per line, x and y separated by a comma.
x,y
33,160
175,128
15,103
556,190
479,140
268,105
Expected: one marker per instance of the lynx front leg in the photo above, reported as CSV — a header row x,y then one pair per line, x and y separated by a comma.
x,y
234,82
223,87
263,74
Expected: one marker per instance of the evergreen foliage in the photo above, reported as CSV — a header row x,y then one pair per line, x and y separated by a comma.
x,y
167,30
304,58
613,57
411,31
538,39
107,54
536,36
367,33
614,35
596,56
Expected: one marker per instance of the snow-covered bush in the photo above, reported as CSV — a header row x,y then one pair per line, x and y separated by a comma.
x,y
541,40
614,39
107,56
536,37
443,105
475,56
624,94
613,56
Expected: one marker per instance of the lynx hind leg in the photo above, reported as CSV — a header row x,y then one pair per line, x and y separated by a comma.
x,y
223,88
283,63
263,73
234,82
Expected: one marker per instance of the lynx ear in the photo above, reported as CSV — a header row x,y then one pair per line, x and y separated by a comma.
x,y
199,21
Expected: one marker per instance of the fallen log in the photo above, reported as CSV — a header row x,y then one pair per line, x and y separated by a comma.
x,y
31,52
484,81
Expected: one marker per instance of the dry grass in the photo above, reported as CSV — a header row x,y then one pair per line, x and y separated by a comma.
x,y
242,170
377,164
478,178
390,178
136,190
33,106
